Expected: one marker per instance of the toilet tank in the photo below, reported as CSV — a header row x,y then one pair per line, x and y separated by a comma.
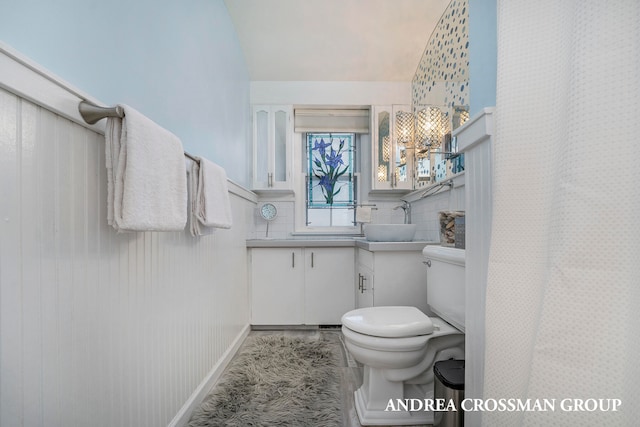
x,y
446,283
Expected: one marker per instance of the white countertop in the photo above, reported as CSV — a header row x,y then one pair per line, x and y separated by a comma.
x,y
337,243
393,246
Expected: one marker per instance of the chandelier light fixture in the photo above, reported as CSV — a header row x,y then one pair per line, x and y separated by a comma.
x,y
431,128
404,128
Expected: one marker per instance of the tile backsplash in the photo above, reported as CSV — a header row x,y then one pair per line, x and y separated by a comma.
x,y
424,212
279,228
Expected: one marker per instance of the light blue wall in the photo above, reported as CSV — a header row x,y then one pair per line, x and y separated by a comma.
x,y
483,60
179,63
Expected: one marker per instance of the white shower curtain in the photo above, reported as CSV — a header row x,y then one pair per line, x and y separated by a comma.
x,y
563,295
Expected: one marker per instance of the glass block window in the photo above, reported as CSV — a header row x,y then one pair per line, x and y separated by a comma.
x,y
330,184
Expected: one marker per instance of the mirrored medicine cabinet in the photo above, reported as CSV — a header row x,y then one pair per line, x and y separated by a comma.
x,y
413,146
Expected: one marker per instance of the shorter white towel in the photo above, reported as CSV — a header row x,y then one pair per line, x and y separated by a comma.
x,y
194,226
147,185
212,206
363,214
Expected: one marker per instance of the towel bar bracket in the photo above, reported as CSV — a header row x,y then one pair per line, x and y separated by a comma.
x,y
92,113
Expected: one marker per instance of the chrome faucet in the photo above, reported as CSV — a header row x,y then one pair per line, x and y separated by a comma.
x,y
406,207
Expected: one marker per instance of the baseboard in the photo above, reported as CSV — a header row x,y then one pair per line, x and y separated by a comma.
x,y
292,327
182,417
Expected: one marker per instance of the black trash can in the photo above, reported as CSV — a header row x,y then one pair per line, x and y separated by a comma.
x,y
449,385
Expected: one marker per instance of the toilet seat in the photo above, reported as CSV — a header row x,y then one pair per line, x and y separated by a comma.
x,y
388,321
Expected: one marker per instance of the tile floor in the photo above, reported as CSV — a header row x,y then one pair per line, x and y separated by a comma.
x,y
351,371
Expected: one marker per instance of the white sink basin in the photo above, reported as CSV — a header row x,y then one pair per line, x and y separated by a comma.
x,y
390,232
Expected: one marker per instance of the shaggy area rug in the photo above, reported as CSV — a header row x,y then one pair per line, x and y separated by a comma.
x,y
277,381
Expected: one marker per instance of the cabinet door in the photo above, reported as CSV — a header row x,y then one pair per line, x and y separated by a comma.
x,y
392,160
261,146
329,279
277,286
282,147
381,152
272,147
402,147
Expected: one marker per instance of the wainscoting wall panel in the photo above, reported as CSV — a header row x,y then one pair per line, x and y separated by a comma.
x,y
475,139
99,328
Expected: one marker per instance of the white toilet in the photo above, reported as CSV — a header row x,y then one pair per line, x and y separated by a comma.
x,y
399,345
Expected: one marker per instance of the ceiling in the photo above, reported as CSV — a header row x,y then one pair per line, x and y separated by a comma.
x,y
334,40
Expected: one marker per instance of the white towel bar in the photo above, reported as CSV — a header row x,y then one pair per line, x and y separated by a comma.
x,y
436,188
91,113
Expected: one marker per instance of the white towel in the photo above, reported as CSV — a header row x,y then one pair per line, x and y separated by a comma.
x,y
147,185
212,204
194,225
363,214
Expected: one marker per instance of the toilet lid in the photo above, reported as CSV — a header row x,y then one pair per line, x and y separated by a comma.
x,y
388,322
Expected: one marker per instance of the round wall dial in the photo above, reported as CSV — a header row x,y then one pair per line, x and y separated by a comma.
x,y
268,211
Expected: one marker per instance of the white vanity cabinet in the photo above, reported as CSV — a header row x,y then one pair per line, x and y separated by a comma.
x,y
391,278
272,147
392,160
301,286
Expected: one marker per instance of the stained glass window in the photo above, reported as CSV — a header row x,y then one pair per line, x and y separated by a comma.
x,y
330,188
